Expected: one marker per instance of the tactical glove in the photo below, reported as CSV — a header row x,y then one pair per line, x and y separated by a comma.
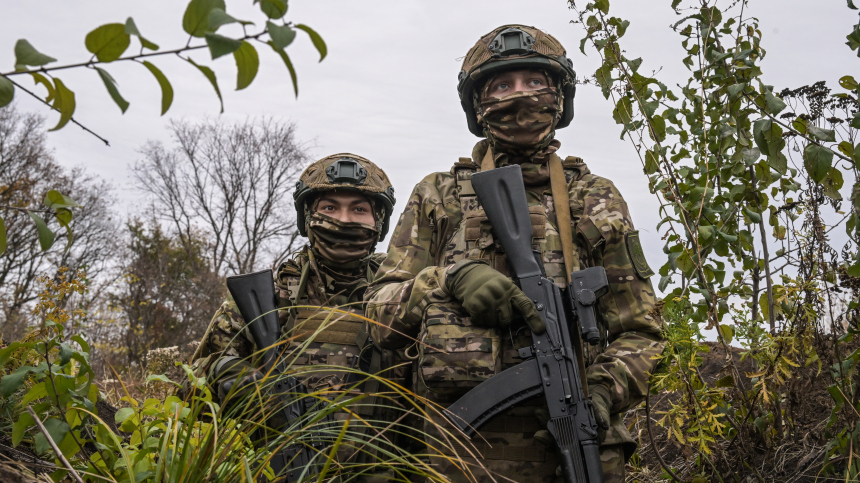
x,y
238,376
490,298
601,402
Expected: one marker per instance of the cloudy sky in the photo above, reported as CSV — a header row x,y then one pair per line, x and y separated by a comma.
x,y
387,89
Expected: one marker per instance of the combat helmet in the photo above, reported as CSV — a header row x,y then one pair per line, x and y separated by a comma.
x,y
345,171
515,47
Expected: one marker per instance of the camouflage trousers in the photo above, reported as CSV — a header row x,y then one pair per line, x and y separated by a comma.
x,y
505,451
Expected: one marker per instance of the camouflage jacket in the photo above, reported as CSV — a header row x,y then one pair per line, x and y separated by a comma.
x,y
300,315
443,223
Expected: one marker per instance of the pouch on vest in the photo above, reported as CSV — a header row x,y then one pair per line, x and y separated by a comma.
x,y
455,355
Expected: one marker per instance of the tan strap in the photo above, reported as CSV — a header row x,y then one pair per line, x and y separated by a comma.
x,y
488,162
561,202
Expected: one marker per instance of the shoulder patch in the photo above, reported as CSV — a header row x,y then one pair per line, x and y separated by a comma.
x,y
637,255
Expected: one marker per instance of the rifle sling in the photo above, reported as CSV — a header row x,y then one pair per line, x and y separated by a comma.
x,y
561,202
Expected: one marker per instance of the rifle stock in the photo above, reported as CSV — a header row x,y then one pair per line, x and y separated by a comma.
x,y
549,366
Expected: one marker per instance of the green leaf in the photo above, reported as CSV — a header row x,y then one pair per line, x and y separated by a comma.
x,y
822,134
25,421
57,429
220,45
110,85
247,64
623,112
26,54
131,29
775,105
162,378
64,101
282,35
65,353
218,17
752,215
759,128
851,5
12,382
316,39
108,41
46,236
289,64
7,91
40,79
735,90
38,391
54,199
273,8
602,5
833,183
207,72
123,414
652,163
854,39
818,161
848,82
166,88
3,243
195,21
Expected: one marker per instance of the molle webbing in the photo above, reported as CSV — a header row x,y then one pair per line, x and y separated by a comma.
x,y
337,327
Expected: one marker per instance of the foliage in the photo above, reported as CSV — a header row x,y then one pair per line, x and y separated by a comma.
x,y
190,438
27,171
748,179
164,297
109,43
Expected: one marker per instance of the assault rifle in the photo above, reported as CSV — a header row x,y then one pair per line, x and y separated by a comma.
x,y
254,294
550,365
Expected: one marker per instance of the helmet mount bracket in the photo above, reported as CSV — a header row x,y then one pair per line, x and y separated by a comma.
x,y
512,41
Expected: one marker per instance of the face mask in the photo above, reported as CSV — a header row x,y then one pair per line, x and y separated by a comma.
x,y
337,242
520,121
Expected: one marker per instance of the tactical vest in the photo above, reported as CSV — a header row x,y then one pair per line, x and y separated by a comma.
x,y
456,355
318,335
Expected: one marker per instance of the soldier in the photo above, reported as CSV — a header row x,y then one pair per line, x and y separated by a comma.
x,y
343,204
446,281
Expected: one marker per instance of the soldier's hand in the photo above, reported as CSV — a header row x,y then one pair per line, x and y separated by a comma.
x,y
601,402
491,298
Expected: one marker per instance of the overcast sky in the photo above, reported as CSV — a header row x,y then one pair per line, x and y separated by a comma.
x,y
387,89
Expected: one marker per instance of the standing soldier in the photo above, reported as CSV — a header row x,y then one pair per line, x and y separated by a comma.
x,y
446,281
343,204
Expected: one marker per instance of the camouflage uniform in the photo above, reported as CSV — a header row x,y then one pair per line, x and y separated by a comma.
x,y
333,270
442,224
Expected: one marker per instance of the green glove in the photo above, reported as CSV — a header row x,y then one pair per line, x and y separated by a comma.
x,y
491,298
235,375
601,402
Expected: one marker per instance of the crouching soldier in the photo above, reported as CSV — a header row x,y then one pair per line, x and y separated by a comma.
x,y
343,204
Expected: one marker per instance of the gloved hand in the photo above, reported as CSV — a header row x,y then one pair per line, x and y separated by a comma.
x,y
490,297
238,376
601,402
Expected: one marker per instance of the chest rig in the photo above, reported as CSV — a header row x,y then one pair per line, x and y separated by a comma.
x,y
319,335
456,355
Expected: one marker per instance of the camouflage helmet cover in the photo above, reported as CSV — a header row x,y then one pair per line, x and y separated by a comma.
x,y
345,171
515,47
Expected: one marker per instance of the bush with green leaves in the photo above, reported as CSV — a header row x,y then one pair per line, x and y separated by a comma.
x,y
748,179
191,438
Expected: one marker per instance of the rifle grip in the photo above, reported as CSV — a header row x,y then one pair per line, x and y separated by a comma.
x,y
586,286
